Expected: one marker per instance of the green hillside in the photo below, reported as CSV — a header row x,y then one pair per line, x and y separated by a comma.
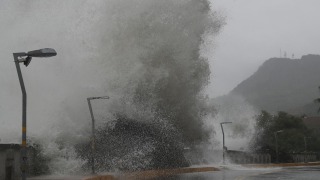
x,y
283,84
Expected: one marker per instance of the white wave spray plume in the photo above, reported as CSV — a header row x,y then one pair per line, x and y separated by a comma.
x,y
144,54
238,134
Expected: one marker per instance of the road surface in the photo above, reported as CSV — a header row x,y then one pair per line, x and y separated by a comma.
x,y
289,173
233,172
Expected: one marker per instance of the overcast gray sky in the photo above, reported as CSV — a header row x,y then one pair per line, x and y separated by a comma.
x,y
256,30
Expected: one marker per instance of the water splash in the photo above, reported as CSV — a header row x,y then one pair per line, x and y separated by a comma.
x,y
146,55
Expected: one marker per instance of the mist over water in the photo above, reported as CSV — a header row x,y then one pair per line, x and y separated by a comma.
x,y
145,54
234,108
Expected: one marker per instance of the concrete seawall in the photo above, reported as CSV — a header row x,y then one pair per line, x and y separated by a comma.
x,y
144,175
101,177
150,174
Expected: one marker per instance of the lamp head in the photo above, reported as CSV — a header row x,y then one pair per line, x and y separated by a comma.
x,y
46,52
27,61
104,97
100,97
225,122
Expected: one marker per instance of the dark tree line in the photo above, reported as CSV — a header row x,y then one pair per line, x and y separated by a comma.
x,y
291,138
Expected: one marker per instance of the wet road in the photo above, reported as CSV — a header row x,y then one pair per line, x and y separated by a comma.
x,y
292,173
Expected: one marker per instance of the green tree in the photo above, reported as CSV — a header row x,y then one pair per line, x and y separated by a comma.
x,y
290,140
318,100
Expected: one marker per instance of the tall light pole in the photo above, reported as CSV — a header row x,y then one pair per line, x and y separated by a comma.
x,y
93,138
277,151
305,147
223,148
305,143
25,58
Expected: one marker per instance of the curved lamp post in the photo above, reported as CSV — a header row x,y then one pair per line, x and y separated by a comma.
x,y
25,58
277,151
224,147
93,138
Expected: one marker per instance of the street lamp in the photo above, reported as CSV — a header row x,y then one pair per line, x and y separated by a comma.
x,y
223,148
277,151
93,138
305,147
305,142
25,58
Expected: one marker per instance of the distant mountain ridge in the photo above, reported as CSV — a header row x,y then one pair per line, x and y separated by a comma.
x,y
283,84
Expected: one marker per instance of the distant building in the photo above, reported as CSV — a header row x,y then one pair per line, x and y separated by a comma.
x,y
10,162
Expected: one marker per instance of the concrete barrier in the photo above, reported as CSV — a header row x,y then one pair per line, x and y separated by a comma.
x,y
101,177
150,174
281,165
165,172
56,178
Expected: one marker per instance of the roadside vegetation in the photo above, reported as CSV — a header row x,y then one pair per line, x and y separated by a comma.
x,y
292,134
